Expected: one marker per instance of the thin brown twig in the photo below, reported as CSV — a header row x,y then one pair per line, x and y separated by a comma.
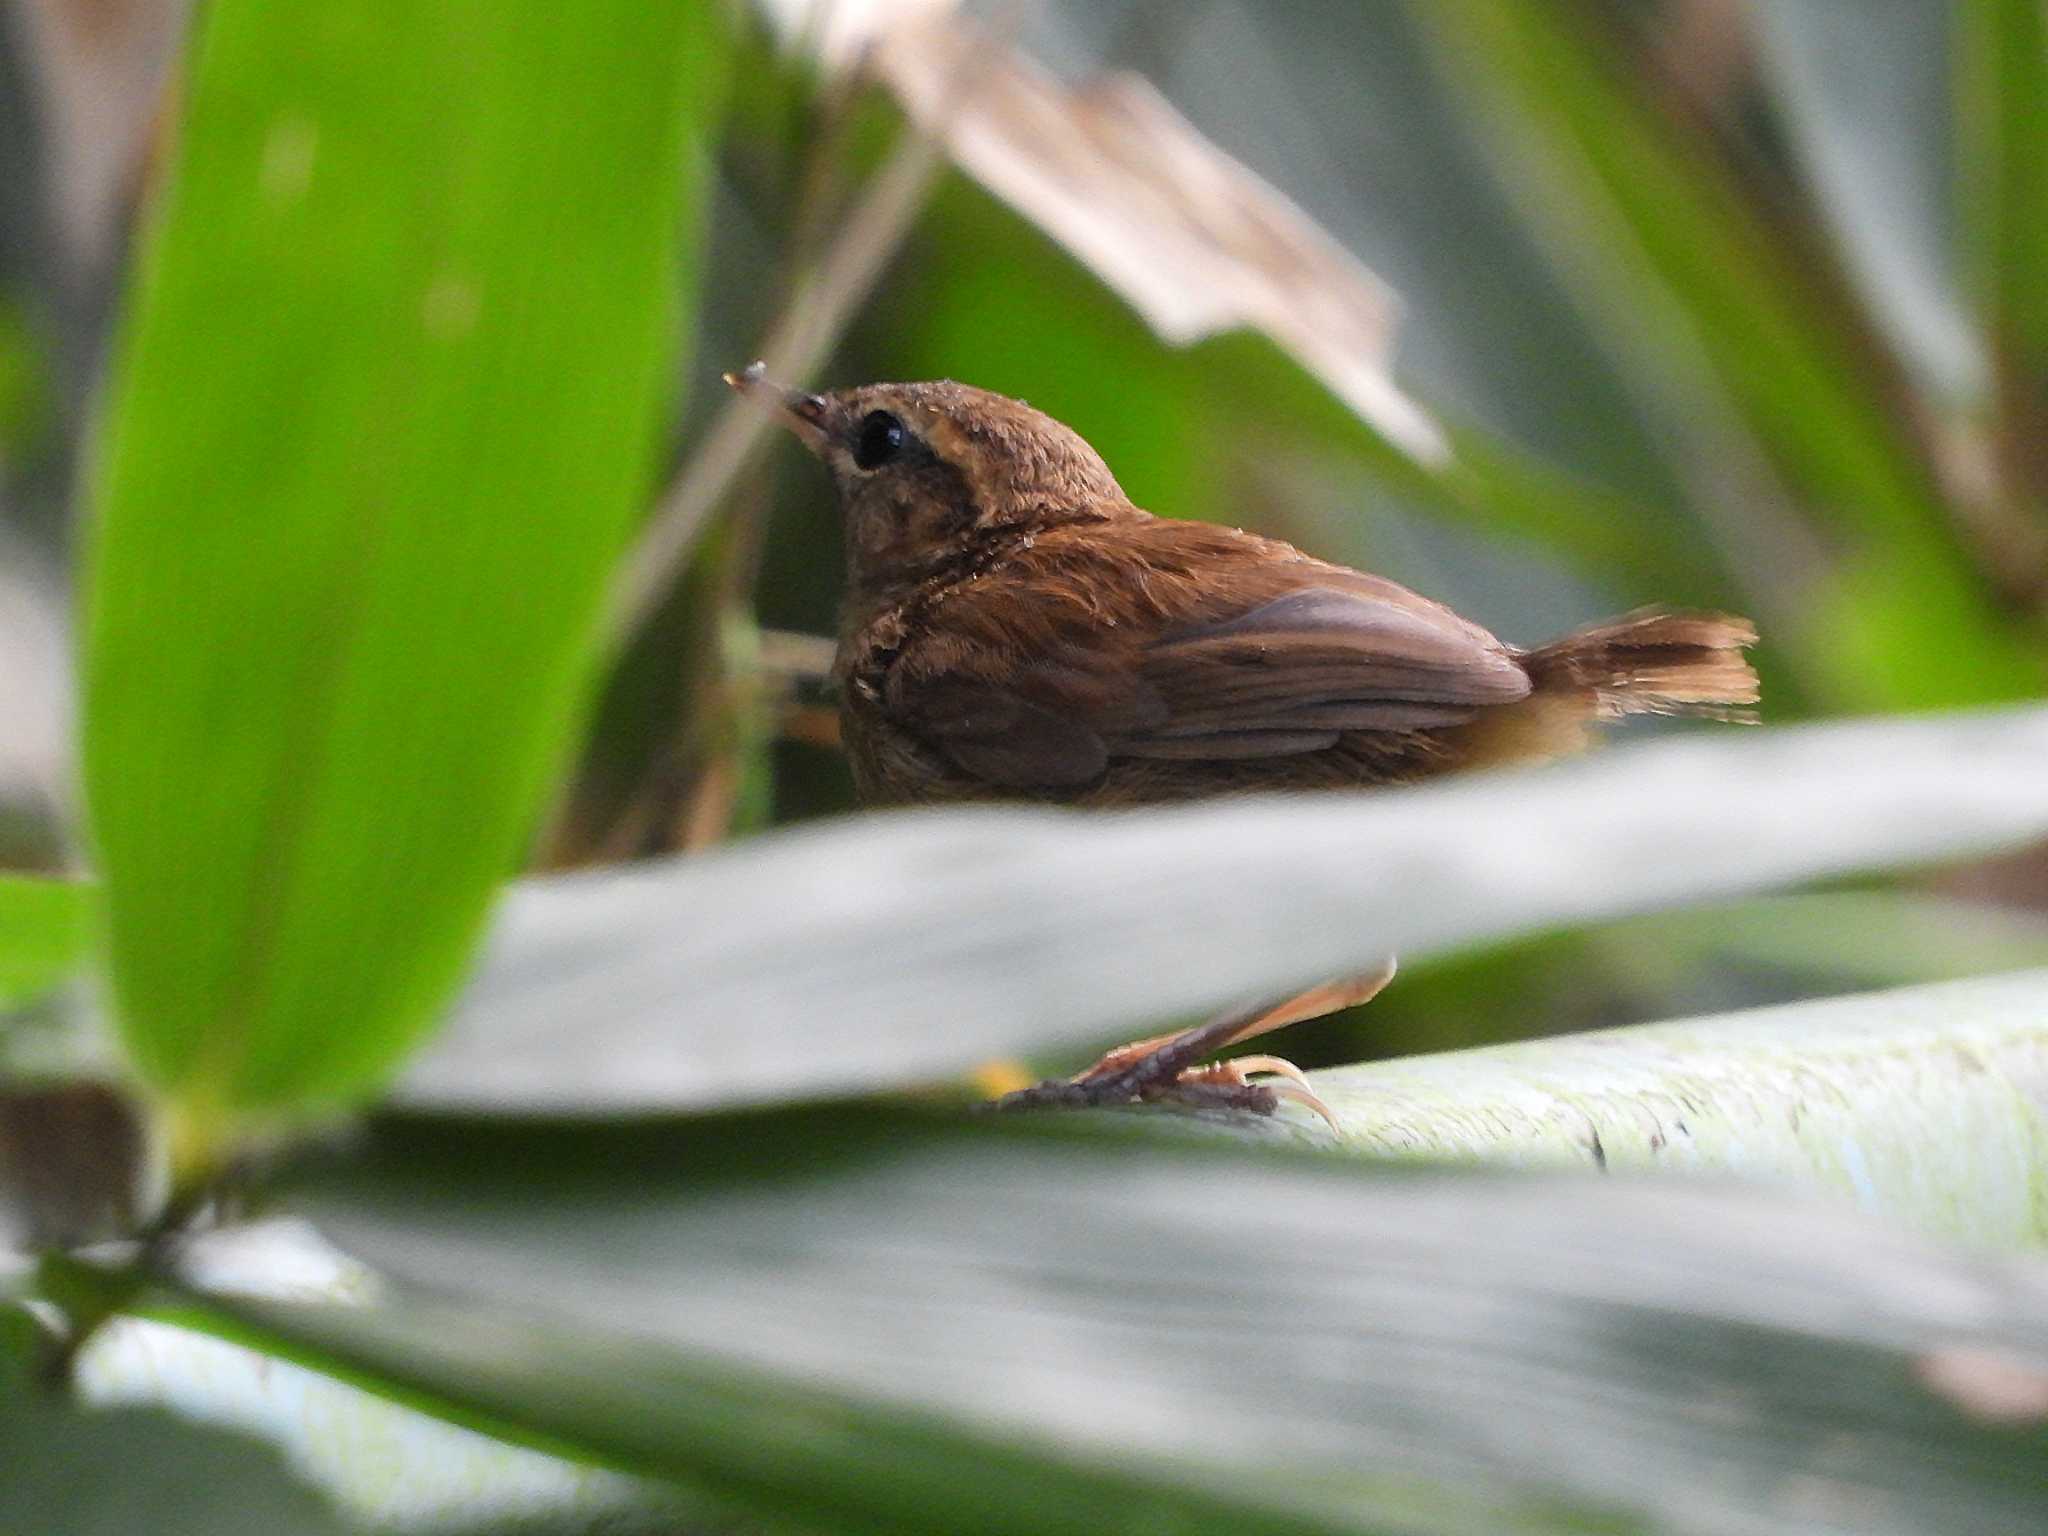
x,y
818,313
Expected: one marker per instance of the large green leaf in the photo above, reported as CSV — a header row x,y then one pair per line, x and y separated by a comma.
x,y
905,948
42,934
879,1319
775,1442
387,401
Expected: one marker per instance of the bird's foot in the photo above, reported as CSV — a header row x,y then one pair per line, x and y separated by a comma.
x,y
1229,1084
1161,1071
1167,1068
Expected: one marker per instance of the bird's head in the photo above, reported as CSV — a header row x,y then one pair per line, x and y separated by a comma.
x,y
928,471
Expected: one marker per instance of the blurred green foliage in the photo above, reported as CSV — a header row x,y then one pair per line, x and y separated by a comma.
x,y
402,341
43,934
1686,393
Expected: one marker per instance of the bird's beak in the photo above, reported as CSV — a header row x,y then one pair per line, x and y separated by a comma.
x,y
803,414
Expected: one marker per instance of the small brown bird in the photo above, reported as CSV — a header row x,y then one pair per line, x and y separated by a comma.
x,y
1016,629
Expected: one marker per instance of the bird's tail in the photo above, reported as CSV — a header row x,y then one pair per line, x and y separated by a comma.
x,y
1653,662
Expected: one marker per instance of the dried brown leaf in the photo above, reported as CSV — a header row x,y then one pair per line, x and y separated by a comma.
x,y
1189,237
98,72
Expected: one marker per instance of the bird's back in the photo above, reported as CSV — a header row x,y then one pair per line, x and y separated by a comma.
x,y
1134,659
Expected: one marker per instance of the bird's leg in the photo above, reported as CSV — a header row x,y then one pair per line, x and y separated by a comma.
x,y
1166,1066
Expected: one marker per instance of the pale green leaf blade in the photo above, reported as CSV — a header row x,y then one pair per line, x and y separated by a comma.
x,y
893,950
826,1312
1918,1104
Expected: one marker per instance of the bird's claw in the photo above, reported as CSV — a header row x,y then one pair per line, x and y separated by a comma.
x,y
1169,1067
1237,1073
1219,1085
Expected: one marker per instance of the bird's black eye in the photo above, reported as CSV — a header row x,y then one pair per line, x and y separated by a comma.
x,y
880,439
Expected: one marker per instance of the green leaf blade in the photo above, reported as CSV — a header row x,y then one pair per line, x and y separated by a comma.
x,y
883,952
1284,1337
2002,90
387,404
43,934
1911,1103
72,1472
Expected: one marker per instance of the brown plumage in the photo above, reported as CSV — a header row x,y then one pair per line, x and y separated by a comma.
x,y
1015,628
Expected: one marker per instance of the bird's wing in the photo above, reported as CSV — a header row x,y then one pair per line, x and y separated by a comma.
x,y
1322,658
1040,686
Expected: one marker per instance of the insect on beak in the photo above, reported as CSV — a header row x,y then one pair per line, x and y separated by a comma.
x,y
803,414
